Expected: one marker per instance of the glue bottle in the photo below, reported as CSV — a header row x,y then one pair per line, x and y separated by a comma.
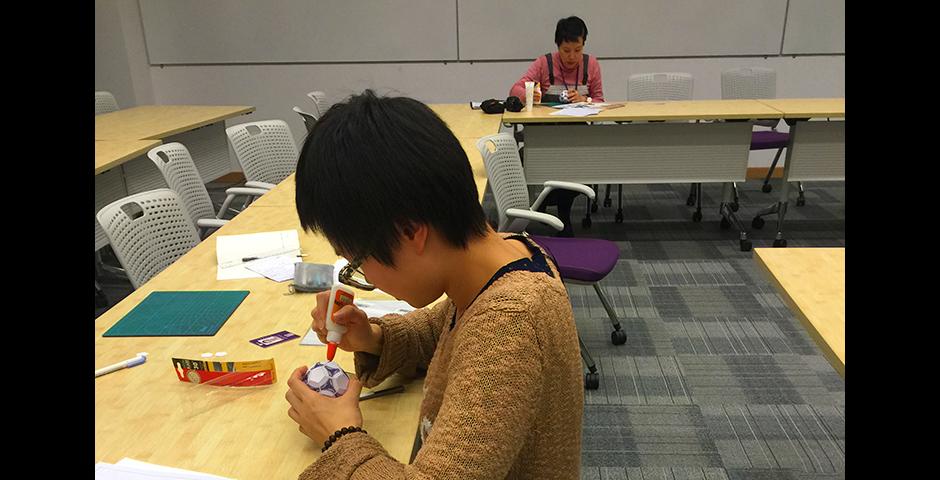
x,y
340,296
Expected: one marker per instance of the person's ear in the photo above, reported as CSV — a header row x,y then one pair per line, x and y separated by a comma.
x,y
416,235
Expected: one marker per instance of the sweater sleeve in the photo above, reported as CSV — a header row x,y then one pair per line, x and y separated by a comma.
x,y
537,70
495,378
595,87
408,343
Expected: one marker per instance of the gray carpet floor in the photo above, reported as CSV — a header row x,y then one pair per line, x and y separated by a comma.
x,y
717,379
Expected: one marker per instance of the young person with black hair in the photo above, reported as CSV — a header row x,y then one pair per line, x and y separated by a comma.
x,y
568,70
390,187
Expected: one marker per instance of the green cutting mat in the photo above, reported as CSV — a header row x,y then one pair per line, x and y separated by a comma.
x,y
179,314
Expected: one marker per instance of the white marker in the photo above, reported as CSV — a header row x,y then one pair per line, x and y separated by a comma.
x,y
130,362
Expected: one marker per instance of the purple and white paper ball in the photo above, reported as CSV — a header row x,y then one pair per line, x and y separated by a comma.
x,y
327,378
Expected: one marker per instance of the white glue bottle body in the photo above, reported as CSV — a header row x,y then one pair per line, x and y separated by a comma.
x,y
340,296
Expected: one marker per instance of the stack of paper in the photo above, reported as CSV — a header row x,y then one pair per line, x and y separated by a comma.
x,y
128,469
234,252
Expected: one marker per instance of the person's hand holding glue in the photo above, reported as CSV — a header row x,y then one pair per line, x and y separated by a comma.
x,y
360,335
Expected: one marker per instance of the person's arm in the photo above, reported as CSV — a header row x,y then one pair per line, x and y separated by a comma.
x,y
533,74
407,344
487,412
595,83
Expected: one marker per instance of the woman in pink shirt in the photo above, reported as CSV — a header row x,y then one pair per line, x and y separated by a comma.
x,y
568,75
568,69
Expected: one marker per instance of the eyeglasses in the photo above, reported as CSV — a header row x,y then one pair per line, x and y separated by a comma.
x,y
352,275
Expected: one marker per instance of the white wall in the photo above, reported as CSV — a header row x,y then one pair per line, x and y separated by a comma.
x,y
274,88
121,65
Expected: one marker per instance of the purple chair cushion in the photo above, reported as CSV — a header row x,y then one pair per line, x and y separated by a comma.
x,y
581,259
765,140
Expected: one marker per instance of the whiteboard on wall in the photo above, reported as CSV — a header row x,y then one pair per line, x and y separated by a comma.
x,y
496,29
298,31
815,26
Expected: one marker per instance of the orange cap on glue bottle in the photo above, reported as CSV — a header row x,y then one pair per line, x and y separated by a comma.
x,y
340,296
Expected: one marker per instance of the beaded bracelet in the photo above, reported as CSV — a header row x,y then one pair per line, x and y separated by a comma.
x,y
340,433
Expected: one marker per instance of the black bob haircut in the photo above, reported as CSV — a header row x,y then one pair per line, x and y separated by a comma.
x,y
569,30
372,166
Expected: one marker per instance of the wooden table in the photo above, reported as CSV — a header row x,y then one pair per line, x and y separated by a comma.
x,y
661,145
816,151
112,153
812,281
807,107
646,111
201,128
147,414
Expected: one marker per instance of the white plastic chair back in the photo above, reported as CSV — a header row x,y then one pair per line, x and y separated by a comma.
x,y
309,119
148,232
659,86
176,164
265,150
506,178
105,102
319,99
750,83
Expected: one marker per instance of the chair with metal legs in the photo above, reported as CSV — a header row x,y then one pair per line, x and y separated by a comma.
x,y
582,261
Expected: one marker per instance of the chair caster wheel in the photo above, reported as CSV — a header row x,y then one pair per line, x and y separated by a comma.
x,y
734,206
618,337
690,201
780,242
745,245
619,217
757,223
606,202
592,381
767,188
697,217
725,223
586,222
800,202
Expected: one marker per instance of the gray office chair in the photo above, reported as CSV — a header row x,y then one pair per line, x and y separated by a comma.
x,y
265,150
643,87
756,83
105,103
176,165
582,261
148,232
319,102
309,119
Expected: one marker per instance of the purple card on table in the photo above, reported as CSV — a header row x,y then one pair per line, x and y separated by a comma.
x,y
274,339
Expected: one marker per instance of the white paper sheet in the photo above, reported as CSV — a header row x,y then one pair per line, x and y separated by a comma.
x,y
576,112
230,250
373,308
128,469
279,268
580,105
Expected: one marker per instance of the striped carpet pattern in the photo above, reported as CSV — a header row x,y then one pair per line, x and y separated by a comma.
x,y
717,380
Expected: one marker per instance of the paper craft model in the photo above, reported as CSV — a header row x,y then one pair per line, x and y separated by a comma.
x,y
327,378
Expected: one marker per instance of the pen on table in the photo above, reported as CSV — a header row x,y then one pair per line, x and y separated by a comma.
x,y
130,362
248,259
380,393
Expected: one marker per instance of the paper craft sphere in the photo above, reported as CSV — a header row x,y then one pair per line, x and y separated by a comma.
x,y
327,378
